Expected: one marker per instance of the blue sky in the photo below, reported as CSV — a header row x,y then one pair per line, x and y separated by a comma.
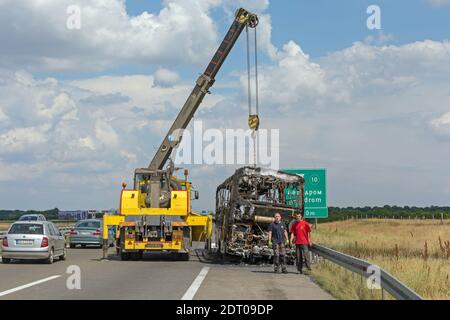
x,y
81,109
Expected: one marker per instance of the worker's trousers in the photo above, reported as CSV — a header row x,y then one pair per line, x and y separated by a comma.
x,y
302,253
279,256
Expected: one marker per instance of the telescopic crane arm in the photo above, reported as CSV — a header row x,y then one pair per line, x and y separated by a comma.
x,y
242,19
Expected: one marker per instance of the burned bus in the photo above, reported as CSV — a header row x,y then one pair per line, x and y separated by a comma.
x,y
245,205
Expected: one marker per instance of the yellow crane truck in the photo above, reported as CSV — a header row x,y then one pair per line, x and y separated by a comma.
x,y
156,214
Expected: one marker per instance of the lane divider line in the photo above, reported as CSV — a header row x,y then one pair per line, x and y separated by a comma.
x,y
190,293
4,293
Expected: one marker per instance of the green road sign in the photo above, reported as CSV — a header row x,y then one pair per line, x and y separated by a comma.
x,y
315,191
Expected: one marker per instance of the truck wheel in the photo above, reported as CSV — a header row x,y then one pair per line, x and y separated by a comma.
x,y
135,256
183,256
124,256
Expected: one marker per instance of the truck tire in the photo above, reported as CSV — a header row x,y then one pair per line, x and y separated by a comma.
x,y
124,256
136,256
184,256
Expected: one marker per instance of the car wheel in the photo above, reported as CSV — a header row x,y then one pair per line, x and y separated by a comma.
x,y
64,255
6,260
72,246
51,257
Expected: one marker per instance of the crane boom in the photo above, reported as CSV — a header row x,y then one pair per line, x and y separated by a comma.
x,y
243,18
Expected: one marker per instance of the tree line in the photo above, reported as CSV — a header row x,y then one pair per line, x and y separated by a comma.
x,y
387,212
334,213
51,214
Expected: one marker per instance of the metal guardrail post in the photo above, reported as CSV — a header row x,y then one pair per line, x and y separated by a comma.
x,y
388,282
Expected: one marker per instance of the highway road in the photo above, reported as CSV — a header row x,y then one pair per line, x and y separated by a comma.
x,y
155,277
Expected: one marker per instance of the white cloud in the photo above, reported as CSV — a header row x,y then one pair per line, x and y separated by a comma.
x,y
62,106
439,3
37,37
165,77
442,124
106,135
87,142
22,139
3,116
379,38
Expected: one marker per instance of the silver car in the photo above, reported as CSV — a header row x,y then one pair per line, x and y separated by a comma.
x,y
33,240
86,232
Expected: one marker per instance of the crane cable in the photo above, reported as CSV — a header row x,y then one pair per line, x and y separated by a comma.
x,y
253,119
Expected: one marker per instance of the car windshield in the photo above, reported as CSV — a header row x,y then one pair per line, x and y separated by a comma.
x,y
95,224
28,218
22,228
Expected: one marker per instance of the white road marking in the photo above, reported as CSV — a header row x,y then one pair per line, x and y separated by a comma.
x,y
190,293
4,293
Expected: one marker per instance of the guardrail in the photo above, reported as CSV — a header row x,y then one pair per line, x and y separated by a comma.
x,y
387,281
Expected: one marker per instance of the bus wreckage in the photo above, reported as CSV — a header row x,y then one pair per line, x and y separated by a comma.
x,y
245,205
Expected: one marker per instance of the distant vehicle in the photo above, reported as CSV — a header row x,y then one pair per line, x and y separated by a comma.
x,y
88,233
33,240
32,217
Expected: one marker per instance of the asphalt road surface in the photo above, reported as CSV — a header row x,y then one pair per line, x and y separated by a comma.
x,y
155,277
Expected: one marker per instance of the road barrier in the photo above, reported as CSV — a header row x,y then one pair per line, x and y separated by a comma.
x,y
388,282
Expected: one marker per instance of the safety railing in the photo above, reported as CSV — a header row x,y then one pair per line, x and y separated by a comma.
x,y
387,281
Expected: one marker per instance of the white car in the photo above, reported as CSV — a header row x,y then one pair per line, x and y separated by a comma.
x,y
32,217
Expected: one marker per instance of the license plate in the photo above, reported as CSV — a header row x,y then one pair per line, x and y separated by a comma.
x,y
25,242
154,245
85,233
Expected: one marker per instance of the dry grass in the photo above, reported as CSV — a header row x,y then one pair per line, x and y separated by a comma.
x,y
416,252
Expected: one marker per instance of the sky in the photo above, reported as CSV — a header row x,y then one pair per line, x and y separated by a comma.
x,y
81,108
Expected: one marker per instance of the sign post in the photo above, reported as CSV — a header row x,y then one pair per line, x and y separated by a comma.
x,y
315,192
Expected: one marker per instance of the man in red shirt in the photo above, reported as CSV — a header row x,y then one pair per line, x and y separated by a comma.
x,y
301,236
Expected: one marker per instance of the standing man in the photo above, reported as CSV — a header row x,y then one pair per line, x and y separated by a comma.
x,y
301,236
278,239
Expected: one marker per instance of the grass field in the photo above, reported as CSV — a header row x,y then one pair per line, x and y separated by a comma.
x,y
417,252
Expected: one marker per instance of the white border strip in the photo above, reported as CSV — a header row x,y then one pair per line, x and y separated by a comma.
x,y
4,293
190,293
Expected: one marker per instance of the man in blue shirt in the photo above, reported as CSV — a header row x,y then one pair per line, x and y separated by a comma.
x,y
278,239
